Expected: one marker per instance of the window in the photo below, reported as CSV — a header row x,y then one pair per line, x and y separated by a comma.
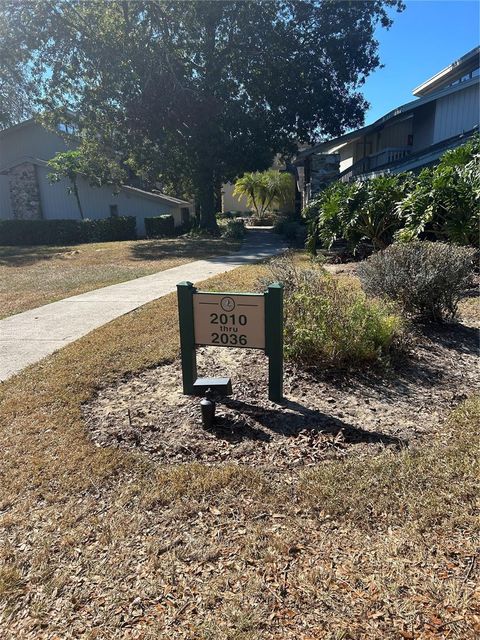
x,y
114,210
65,127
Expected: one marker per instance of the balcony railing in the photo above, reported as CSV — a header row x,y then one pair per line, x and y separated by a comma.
x,y
383,158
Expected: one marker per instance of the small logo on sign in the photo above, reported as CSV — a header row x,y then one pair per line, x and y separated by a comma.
x,y
227,304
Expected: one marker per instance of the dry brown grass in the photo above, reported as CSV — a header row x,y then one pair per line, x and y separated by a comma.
x,y
39,275
99,543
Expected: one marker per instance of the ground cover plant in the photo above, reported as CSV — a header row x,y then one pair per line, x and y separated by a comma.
x,y
426,278
43,274
105,542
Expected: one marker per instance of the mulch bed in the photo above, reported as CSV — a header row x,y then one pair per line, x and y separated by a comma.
x,y
324,415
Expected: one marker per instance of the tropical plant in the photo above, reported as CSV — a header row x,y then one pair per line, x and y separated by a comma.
x,y
265,191
360,211
322,216
445,201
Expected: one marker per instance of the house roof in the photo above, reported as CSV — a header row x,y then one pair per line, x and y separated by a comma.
x,y
19,125
155,196
162,197
454,71
404,111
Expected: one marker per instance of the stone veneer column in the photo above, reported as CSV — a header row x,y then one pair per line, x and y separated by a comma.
x,y
25,192
324,169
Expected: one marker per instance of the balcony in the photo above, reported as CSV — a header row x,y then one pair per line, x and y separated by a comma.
x,y
380,160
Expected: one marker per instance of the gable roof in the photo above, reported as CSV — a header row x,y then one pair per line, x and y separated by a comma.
x,y
149,195
19,125
454,71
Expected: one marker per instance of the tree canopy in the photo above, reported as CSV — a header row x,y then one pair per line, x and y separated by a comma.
x,y
190,94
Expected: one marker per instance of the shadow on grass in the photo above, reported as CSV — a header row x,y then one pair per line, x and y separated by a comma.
x,y
245,425
25,256
181,248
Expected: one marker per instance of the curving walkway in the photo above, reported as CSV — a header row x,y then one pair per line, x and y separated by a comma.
x,y
28,337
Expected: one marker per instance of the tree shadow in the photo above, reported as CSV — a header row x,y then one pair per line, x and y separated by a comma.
x,y
25,256
455,336
289,424
154,250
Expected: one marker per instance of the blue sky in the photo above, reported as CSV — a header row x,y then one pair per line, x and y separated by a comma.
x,y
425,38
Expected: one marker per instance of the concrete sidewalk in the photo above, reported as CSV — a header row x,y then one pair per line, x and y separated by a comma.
x,y
28,337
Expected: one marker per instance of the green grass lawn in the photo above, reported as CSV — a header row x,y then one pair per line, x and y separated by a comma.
x,y
104,543
32,276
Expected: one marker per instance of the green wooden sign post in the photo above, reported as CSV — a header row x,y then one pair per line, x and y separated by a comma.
x,y
245,320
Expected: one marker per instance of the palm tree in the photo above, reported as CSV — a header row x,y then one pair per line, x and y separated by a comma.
x,y
266,190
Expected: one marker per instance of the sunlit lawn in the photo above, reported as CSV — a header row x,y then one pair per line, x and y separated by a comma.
x,y
102,541
32,276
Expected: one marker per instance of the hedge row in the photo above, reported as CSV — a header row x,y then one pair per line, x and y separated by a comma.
x,y
160,226
59,232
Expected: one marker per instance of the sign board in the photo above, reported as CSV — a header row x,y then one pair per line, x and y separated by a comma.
x,y
245,320
233,320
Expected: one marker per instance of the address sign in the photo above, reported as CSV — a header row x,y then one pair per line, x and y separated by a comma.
x,y
239,320
233,320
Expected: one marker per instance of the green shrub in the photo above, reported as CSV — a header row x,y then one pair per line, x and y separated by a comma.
x,y
110,229
62,232
266,220
426,278
329,322
293,230
442,202
445,201
357,212
234,230
160,226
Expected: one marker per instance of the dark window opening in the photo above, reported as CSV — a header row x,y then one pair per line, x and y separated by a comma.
x,y
114,210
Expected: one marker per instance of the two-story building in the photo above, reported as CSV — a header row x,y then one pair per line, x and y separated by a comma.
x,y
444,114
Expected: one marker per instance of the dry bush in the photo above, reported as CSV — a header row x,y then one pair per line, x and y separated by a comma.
x,y
426,278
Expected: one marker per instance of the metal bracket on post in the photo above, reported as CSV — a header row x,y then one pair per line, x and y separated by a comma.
x,y
185,291
274,340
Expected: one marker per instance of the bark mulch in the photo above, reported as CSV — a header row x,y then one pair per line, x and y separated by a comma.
x,y
324,414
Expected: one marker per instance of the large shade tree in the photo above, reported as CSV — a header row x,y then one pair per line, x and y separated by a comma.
x,y
190,94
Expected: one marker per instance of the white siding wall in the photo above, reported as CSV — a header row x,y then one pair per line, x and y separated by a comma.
x,y
58,203
5,203
456,113
346,157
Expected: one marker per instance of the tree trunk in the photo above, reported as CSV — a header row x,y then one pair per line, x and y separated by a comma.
x,y
206,199
218,195
77,197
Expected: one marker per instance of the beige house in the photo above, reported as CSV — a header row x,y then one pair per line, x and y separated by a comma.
x,y
231,202
444,114
27,193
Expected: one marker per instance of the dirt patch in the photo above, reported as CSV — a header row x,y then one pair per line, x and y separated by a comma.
x,y
321,418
